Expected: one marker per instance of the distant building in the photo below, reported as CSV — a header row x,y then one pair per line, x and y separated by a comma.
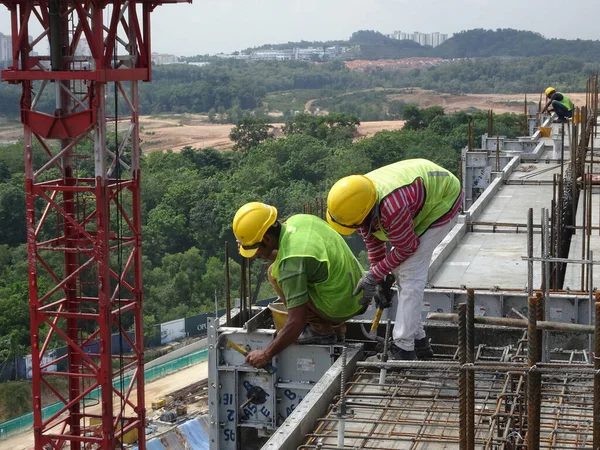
x,y
161,59
5,48
289,54
429,39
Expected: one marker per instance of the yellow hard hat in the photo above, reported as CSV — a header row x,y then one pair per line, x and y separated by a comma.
x,y
549,91
250,224
348,203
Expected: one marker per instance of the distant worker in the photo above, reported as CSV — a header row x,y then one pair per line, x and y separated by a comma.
x,y
561,104
411,204
313,272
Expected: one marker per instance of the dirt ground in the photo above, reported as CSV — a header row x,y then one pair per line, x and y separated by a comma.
x,y
154,390
177,131
166,133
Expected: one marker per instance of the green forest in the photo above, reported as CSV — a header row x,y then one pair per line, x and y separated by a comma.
x,y
189,199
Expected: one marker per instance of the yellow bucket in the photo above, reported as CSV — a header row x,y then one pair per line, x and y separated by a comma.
x,y
545,131
280,315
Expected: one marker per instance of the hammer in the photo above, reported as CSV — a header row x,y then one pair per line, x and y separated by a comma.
x,y
270,368
386,291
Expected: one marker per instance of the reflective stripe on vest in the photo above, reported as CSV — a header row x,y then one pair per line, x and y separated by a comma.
x,y
308,236
441,189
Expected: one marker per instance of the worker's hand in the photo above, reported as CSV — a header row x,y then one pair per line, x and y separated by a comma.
x,y
383,297
258,358
368,286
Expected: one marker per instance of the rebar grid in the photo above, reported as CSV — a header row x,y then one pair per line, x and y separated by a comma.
x,y
418,408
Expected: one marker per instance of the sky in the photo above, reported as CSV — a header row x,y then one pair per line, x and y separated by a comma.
x,y
213,26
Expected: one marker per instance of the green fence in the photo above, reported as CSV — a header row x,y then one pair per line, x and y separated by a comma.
x,y
25,421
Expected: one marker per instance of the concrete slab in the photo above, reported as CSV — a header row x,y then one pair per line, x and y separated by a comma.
x,y
511,204
488,260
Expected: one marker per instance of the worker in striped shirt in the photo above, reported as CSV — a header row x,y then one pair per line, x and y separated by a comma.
x,y
313,272
411,204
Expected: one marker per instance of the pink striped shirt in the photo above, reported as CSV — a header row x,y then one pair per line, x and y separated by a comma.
x,y
396,214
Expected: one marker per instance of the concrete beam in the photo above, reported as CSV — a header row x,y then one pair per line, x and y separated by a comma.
x,y
484,199
314,406
447,246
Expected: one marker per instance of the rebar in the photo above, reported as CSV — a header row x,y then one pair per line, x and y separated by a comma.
x,y
384,355
530,251
533,380
462,376
596,426
342,408
470,375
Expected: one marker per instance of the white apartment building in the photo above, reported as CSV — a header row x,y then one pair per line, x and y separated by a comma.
x,y
5,48
429,39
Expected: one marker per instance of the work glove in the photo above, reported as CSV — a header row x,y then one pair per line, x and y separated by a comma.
x,y
384,294
368,285
383,297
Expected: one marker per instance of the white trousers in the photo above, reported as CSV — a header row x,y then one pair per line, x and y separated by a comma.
x,y
411,277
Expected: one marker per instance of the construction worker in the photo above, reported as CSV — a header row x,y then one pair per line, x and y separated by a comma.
x,y
313,272
412,205
561,104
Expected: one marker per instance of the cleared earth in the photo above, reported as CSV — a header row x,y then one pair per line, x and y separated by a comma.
x,y
181,130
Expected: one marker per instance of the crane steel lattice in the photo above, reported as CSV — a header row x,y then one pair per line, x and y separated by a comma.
x,y
83,210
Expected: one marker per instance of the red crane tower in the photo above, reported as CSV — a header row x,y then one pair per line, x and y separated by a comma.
x,y
82,180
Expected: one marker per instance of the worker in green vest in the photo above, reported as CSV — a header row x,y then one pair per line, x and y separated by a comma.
x,y
412,205
313,272
561,104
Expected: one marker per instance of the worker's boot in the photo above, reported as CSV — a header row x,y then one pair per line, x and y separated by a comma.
x,y
399,354
423,348
310,336
340,332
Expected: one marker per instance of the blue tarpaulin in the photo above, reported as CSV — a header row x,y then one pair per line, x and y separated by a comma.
x,y
194,435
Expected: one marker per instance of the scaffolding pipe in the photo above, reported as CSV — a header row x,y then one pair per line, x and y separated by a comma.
x,y
561,327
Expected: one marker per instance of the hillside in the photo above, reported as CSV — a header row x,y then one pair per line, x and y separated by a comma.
x,y
479,43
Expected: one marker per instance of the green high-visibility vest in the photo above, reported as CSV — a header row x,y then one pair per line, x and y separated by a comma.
x,y
442,189
566,101
308,236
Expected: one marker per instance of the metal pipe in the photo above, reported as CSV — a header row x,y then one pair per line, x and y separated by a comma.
x,y
516,323
243,314
227,287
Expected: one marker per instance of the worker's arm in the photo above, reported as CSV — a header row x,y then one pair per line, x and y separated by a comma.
x,y
396,219
292,281
547,106
294,325
375,248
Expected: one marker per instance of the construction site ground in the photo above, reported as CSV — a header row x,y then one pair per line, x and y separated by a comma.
x,y
154,390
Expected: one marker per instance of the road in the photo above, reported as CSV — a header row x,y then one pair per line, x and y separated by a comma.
x,y
154,390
